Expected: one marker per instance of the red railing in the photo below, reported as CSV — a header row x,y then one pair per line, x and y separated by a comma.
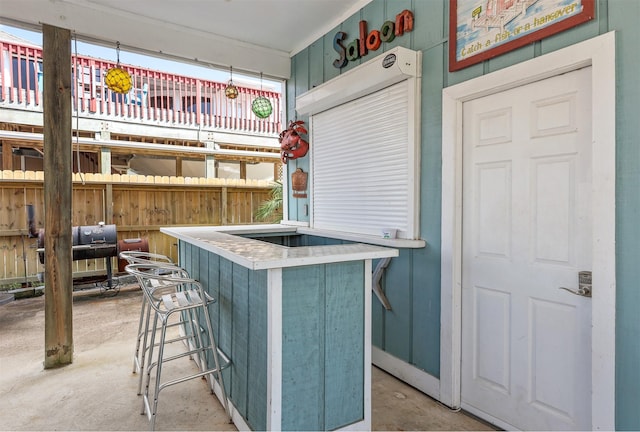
x,y
156,97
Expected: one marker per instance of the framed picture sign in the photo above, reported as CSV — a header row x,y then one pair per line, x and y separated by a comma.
x,y
482,29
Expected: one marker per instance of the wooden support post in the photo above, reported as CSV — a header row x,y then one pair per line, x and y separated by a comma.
x,y
108,217
225,202
105,160
178,166
276,172
210,166
58,325
7,156
243,170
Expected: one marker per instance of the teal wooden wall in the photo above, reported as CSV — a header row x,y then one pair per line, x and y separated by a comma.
x,y
623,17
411,331
322,346
239,319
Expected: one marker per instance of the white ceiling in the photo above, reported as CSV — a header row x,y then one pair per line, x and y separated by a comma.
x,y
250,35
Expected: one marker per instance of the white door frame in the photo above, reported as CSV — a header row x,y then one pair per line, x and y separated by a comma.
x,y
599,53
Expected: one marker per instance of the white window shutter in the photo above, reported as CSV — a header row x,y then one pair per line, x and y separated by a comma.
x,y
363,166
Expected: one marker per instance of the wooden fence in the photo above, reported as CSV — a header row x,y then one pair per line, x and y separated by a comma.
x,y
137,205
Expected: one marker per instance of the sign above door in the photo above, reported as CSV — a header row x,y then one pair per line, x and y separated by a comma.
x,y
370,40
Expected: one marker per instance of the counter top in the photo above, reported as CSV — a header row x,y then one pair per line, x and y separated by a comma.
x,y
227,242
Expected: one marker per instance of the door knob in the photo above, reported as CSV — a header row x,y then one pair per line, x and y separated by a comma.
x,y
584,285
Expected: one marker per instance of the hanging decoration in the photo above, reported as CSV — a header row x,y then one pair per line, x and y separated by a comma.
x,y
117,79
261,106
299,183
231,91
292,145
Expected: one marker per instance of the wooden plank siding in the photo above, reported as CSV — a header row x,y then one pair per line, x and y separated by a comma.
x,y
239,321
318,303
411,330
303,347
344,343
257,401
622,16
140,206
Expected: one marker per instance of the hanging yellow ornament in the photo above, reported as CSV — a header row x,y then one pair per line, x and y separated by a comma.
x,y
117,79
231,91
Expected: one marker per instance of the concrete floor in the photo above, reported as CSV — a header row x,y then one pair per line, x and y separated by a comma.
x,y
98,391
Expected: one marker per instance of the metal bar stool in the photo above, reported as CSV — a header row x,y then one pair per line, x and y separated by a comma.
x,y
161,265
168,294
139,257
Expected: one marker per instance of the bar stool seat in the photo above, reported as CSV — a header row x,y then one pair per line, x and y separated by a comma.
x,y
166,295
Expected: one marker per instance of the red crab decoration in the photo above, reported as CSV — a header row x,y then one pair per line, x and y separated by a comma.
x,y
292,146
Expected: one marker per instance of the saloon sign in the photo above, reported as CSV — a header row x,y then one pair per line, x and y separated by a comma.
x,y
370,40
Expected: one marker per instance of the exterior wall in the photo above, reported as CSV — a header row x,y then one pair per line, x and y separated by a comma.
x,y
622,17
411,331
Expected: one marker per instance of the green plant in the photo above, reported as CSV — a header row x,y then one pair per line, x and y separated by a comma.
x,y
271,209
11,286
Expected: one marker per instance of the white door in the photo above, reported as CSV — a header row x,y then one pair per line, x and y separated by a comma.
x,y
526,343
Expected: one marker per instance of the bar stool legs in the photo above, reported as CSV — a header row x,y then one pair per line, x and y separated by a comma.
x,y
167,296
213,375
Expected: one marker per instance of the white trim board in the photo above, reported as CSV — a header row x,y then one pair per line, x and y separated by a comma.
x,y
366,343
238,421
402,370
274,350
599,53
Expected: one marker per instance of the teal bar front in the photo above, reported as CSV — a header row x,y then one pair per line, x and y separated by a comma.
x,y
297,332
322,346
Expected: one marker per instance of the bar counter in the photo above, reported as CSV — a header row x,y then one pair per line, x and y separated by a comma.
x,y
293,313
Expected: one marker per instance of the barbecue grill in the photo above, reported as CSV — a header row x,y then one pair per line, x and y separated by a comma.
x,y
89,242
